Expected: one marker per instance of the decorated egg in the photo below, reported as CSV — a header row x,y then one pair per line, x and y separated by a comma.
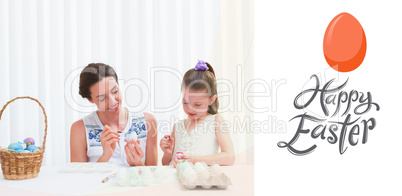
x,y
344,43
32,148
179,155
183,165
29,141
21,151
15,146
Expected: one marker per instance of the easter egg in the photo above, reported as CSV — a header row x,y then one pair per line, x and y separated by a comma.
x,y
184,165
344,43
15,146
21,151
29,141
134,176
32,148
179,155
131,136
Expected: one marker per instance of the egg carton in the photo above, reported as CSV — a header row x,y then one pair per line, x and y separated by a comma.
x,y
219,181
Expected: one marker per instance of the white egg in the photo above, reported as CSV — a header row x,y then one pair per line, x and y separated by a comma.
x,y
146,176
201,170
134,176
123,180
190,175
216,169
199,167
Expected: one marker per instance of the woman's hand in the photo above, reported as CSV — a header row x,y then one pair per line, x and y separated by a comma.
x,y
108,139
134,153
166,144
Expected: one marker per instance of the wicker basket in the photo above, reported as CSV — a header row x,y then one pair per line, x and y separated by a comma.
x,y
21,166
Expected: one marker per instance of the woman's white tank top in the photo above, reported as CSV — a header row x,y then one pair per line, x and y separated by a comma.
x,y
135,129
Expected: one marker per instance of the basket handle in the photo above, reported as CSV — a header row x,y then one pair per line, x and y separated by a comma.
x,y
44,113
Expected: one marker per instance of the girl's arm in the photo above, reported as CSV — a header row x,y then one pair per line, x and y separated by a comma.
x,y
78,142
151,154
227,155
168,151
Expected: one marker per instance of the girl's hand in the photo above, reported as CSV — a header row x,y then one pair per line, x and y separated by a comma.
x,y
166,144
108,139
134,153
188,158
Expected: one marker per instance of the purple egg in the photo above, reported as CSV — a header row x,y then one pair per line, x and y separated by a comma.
x,y
29,141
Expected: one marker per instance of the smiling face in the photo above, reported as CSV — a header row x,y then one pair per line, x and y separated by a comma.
x,y
106,95
196,102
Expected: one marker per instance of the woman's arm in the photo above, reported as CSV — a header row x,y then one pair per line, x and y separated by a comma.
x,y
78,142
168,148
227,155
151,154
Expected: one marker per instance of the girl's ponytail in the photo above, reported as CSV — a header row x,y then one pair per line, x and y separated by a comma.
x,y
202,77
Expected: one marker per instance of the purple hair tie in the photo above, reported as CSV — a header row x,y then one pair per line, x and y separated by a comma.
x,y
201,65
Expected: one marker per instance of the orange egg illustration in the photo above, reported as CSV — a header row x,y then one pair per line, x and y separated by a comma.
x,y
344,43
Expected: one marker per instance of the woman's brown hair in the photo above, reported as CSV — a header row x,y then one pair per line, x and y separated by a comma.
x,y
203,80
92,74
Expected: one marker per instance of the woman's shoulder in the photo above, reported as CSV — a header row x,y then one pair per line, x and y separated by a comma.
x,y
151,122
149,117
77,126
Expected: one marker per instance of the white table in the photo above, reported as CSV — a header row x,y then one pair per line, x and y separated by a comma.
x,y
52,182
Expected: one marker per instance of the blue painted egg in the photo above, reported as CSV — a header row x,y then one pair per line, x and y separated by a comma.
x,y
32,148
184,165
15,146
21,151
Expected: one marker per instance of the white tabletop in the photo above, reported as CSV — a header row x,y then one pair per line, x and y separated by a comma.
x,y
53,182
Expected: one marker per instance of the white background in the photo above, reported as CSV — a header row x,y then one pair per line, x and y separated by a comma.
x,y
289,39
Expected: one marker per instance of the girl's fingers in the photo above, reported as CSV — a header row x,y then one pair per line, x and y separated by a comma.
x,y
164,146
175,161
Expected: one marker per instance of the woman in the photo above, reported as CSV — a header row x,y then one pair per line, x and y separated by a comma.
x,y
111,134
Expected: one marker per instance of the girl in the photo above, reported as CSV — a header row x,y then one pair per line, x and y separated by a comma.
x,y
201,134
111,134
